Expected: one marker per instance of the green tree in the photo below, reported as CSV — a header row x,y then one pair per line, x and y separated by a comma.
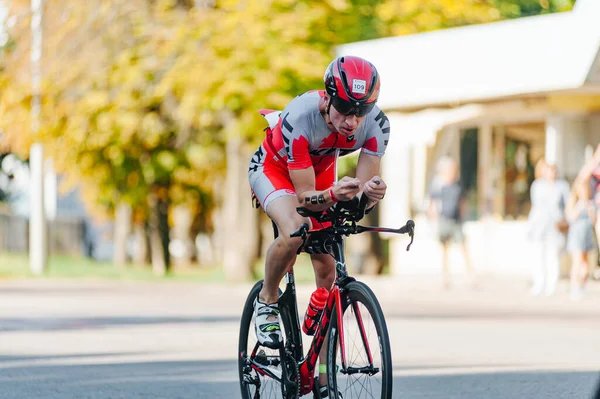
x,y
154,103
525,8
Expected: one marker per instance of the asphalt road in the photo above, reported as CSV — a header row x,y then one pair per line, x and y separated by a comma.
x,y
75,339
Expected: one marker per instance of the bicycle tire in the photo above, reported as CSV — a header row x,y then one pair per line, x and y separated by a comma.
x,y
246,326
358,292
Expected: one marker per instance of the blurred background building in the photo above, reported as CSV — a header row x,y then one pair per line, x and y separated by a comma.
x,y
149,115
497,97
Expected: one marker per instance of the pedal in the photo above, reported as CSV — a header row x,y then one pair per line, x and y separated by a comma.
x,y
262,359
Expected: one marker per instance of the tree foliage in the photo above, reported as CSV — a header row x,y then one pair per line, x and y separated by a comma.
x,y
140,97
525,8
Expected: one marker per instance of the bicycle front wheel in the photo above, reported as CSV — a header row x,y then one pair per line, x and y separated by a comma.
x,y
367,372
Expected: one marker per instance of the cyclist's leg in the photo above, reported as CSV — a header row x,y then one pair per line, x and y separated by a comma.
x,y
274,191
281,254
324,266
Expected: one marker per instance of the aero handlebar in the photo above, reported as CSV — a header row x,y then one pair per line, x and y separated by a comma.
x,y
343,217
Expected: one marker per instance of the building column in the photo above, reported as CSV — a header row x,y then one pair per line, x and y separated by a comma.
x,y
566,139
555,134
396,171
484,162
395,209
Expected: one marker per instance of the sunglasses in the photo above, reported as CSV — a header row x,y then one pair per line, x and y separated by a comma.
x,y
347,108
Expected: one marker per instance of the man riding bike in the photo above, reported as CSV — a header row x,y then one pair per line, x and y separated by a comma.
x,y
296,166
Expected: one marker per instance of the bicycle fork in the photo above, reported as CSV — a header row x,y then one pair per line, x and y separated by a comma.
x,y
307,366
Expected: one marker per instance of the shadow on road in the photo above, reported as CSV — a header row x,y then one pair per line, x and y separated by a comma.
x,y
76,323
499,385
493,314
33,358
81,323
218,379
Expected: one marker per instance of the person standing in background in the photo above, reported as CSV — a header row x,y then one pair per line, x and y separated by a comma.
x,y
447,209
581,215
549,197
590,175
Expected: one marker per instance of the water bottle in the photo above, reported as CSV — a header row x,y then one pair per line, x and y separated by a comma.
x,y
317,302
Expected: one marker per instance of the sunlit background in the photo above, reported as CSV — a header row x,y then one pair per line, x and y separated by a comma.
x,y
145,117
126,130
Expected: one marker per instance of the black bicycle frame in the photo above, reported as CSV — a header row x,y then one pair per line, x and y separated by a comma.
x,y
333,243
293,344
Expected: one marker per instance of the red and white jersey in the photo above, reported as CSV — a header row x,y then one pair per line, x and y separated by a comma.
x,y
299,137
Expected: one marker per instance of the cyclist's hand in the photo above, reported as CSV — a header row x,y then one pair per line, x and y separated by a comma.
x,y
375,189
346,188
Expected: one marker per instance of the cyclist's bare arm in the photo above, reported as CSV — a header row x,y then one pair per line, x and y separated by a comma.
x,y
314,200
367,171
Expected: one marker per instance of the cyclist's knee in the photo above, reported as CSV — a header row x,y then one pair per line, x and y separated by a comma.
x,y
283,212
287,226
287,243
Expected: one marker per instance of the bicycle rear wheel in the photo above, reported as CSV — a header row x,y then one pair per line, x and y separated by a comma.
x,y
364,331
253,381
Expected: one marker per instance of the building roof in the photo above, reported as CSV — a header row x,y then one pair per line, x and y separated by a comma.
x,y
523,56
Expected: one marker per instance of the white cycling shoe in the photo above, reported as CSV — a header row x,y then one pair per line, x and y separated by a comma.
x,y
266,324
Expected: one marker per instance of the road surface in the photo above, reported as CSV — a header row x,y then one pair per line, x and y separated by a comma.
x,y
78,339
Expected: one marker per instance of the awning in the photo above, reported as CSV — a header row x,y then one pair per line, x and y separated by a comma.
x,y
422,127
525,56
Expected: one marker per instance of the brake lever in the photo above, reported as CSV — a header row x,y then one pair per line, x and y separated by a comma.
x,y
362,207
411,234
301,232
410,225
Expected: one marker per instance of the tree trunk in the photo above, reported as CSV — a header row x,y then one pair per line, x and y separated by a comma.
x,y
140,245
183,246
122,230
159,235
239,219
218,235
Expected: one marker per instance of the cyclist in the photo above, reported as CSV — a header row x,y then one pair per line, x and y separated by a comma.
x,y
296,166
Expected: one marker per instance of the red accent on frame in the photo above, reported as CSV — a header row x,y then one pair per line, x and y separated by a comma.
x,y
307,379
340,326
363,334
307,367
259,370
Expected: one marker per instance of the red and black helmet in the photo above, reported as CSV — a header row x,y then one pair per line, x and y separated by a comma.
x,y
353,85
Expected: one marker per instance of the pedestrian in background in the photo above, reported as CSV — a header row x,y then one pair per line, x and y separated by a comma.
x,y
590,175
547,226
581,215
447,208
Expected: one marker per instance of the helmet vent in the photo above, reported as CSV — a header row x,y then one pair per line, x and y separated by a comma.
x,y
344,78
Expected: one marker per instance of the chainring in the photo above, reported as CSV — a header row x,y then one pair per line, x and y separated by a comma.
x,y
292,389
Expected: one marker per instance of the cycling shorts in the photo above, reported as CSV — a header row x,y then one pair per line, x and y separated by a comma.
x,y
270,179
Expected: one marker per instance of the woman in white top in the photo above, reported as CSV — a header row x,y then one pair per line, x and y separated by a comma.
x,y
548,200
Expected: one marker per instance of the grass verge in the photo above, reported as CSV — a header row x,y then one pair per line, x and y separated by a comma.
x,y
16,265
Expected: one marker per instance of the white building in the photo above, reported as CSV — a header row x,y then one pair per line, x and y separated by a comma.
x,y
488,95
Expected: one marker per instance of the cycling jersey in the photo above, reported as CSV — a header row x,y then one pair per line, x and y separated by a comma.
x,y
298,137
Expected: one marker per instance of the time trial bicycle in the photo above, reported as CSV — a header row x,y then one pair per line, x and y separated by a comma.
x,y
359,359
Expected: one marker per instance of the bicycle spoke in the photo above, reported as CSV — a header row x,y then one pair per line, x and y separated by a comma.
x,y
357,381
269,387
362,388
